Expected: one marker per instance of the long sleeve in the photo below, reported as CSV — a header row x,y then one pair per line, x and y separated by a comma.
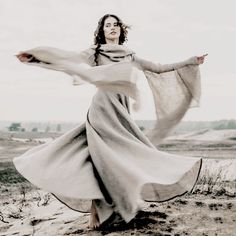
x,y
69,62
53,58
81,67
158,68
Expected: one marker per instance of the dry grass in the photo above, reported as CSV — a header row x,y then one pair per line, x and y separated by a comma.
x,y
215,184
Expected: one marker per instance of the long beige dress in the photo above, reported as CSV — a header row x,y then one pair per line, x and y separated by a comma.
x,y
108,158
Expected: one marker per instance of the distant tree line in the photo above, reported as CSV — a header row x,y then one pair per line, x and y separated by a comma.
x,y
16,126
184,126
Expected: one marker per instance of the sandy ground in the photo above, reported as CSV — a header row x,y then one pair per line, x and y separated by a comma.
x,y
35,212
210,210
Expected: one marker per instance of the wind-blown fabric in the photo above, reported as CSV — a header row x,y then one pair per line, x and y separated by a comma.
x,y
108,158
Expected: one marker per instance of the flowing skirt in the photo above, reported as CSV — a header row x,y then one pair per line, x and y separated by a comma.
x,y
108,159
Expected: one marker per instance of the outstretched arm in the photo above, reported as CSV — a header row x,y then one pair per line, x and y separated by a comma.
x,y
158,68
53,58
81,66
69,62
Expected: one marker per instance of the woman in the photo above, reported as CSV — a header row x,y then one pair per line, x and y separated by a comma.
x,y
107,164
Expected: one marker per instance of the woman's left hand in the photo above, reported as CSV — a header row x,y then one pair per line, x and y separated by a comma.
x,y
201,59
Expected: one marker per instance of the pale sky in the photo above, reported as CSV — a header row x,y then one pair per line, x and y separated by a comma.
x,y
164,31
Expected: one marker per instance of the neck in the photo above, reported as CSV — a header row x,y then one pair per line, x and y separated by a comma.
x,y
112,41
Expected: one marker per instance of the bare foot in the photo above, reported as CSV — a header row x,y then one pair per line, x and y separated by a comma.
x,y
94,219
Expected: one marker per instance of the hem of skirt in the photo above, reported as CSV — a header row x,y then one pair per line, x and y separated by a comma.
x,y
199,171
68,205
102,222
179,195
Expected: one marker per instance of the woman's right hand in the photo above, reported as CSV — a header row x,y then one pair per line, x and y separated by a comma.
x,y
24,57
201,59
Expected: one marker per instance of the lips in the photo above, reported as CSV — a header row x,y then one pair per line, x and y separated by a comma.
x,y
113,32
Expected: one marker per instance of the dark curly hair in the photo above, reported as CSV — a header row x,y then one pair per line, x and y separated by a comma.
x,y
99,37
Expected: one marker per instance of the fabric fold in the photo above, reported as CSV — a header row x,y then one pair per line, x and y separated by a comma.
x,y
173,93
108,159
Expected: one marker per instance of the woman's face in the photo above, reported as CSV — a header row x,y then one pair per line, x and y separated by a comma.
x,y
111,30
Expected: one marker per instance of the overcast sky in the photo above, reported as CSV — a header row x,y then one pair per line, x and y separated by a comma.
x,y
164,31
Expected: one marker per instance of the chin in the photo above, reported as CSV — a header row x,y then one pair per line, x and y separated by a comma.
x,y
112,39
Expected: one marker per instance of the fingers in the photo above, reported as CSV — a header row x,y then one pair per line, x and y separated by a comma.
x,y
24,57
204,55
202,58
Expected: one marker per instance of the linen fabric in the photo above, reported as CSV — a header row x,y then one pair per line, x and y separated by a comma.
x,y
108,159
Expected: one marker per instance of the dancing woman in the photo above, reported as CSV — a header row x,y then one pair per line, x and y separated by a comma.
x,y
107,164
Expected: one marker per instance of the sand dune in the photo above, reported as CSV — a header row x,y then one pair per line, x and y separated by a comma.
x,y
207,135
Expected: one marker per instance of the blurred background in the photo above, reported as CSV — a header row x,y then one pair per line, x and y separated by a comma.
x,y
162,31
